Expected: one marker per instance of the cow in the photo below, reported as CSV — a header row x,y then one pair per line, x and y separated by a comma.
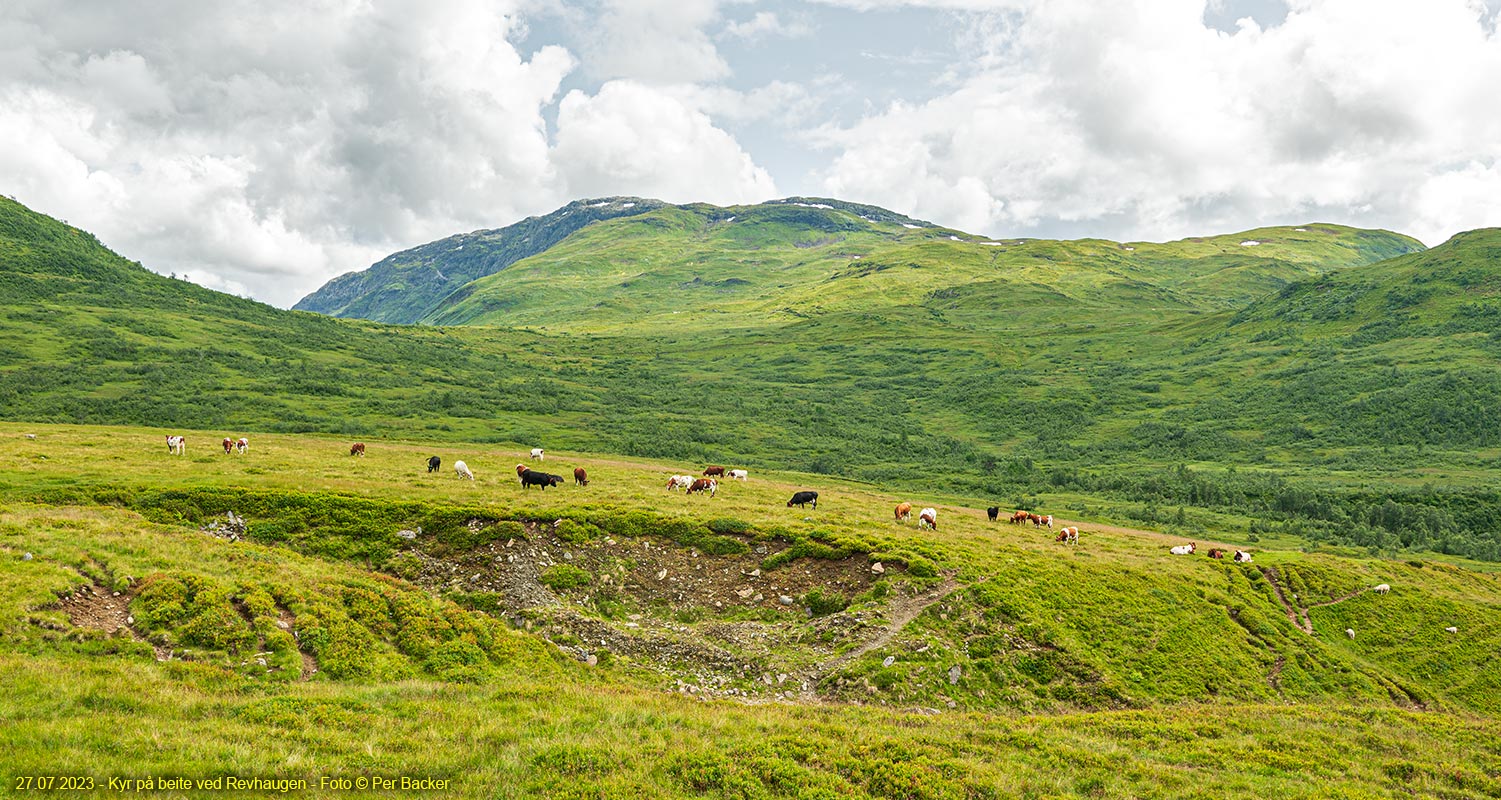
x,y
1242,557
713,472
1186,549
928,518
1381,588
903,511
679,482
521,468
580,477
1350,632
1020,517
229,445
801,499
434,463
704,485
534,477
462,470
1069,535
177,445
1047,520
993,512
537,454
357,449
242,445
1215,552
738,475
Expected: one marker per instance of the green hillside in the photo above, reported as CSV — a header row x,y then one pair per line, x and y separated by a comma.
x,y
406,286
1170,414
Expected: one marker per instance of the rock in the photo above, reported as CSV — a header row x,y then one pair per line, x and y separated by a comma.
x,y
662,574
406,534
760,549
755,573
953,704
785,600
131,620
878,568
954,673
592,660
26,557
282,624
889,661
1350,632
745,593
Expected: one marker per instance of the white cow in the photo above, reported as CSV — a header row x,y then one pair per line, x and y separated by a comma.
x,y
1184,549
928,518
537,453
1242,557
738,474
242,445
177,445
679,482
1381,588
462,470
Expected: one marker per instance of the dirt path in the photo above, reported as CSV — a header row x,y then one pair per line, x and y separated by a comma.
x,y
1295,615
1358,592
901,612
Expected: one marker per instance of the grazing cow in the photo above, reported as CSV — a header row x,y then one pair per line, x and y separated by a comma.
x,y
738,475
800,499
433,464
580,477
537,453
1452,629
462,470
1048,521
1381,588
928,518
993,512
1187,549
1350,632
713,472
704,485
177,445
1242,557
1020,517
357,449
903,511
679,482
1069,535
1215,552
242,445
229,445
534,477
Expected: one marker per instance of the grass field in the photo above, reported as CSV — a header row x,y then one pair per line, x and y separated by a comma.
x,y
1110,669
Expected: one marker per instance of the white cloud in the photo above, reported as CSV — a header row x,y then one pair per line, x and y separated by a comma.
x,y
1135,119
631,138
767,23
662,41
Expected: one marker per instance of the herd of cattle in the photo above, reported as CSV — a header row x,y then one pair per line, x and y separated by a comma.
x,y
927,518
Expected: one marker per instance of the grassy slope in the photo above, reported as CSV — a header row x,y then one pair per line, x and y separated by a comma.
x,y
1230,698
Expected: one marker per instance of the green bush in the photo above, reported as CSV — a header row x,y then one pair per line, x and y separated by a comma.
x,y
823,603
564,576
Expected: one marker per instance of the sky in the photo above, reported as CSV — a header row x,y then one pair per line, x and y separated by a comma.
x,y
264,153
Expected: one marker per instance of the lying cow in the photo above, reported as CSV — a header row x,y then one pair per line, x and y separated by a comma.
x,y
1185,549
1215,552
928,518
801,499
434,463
704,485
1242,557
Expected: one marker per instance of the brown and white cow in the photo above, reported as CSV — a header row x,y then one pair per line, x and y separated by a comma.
x,y
704,485
177,445
229,445
357,449
903,511
928,518
242,445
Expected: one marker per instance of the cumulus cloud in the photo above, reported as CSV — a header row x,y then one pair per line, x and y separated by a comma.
x,y
1135,119
768,23
662,41
631,138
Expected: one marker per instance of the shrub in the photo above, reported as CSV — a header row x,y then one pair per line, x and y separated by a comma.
x,y
823,604
564,576
403,565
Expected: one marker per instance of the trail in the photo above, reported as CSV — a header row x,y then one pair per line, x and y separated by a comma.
x,y
900,613
1298,617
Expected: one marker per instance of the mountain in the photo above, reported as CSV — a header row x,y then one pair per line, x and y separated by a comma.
x,y
407,286
701,266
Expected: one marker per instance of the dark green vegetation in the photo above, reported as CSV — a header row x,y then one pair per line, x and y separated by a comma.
x,y
1355,403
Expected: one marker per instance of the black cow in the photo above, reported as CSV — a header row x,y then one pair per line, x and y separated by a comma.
x,y
534,477
803,497
993,512
433,464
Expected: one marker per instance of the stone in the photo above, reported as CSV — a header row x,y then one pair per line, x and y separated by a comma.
x,y
785,600
406,534
889,661
745,593
662,574
760,549
26,557
878,568
592,660
954,673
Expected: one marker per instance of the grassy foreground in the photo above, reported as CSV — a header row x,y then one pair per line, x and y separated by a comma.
x,y
1108,670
